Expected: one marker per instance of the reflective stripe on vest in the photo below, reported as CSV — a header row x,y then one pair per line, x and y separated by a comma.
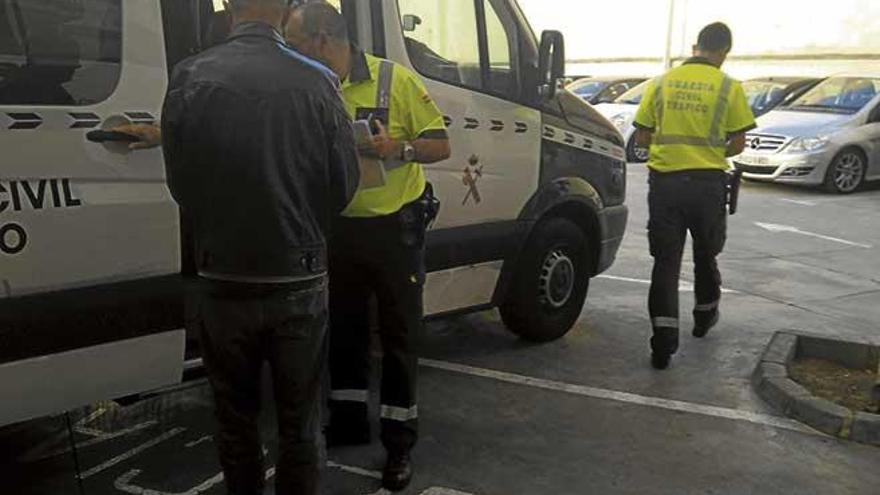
x,y
383,84
383,101
716,138
659,103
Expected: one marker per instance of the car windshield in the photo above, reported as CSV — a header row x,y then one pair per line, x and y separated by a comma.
x,y
839,95
588,89
763,95
634,95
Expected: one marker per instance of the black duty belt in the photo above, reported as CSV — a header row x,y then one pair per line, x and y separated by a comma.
x,y
697,174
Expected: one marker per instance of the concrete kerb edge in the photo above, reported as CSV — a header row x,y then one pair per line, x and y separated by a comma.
x,y
773,383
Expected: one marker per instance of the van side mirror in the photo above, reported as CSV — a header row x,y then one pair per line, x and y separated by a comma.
x,y
411,22
551,63
874,117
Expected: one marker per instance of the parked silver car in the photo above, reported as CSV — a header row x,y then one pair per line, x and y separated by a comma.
x,y
605,89
766,93
622,112
829,136
763,94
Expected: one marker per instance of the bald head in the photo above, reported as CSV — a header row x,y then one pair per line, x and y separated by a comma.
x,y
272,12
320,18
317,30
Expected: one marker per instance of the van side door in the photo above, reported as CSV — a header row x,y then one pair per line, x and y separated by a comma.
x,y
469,54
85,225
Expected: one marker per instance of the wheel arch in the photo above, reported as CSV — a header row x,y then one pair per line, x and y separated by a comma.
x,y
858,148
572,198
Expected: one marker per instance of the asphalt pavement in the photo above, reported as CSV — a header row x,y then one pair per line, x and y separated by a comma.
x,y
582,415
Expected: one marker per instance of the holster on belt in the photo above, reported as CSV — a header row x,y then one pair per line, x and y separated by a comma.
x,y
734,179
431,205
417,217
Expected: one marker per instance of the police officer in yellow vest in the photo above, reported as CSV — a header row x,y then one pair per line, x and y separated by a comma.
x,y
377,247
693,117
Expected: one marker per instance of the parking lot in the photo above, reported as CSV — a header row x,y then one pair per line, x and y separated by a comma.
x,y
585,414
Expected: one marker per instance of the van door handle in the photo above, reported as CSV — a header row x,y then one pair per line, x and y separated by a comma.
x,y
102,136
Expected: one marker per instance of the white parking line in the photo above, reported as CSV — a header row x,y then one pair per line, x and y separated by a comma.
x,y
41,451
376,475
774,228
629,398
206,438
133,452
682,286
801,202
124,484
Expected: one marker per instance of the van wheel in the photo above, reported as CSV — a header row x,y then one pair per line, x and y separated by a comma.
x,y
550,284
636,153
846,172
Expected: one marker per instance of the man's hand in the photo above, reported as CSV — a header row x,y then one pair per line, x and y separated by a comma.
x,y
149,135
382,146
736,145
644,137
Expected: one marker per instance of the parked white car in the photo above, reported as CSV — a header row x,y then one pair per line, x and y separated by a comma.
x,y
830,136
622,112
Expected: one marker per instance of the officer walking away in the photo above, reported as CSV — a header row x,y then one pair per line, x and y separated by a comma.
x,y
378,244
260,156
693,117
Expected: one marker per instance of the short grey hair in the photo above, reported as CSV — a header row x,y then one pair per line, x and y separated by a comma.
x,y
321,17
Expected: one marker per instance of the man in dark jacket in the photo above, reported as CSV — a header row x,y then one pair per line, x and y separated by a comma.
x,y
260,156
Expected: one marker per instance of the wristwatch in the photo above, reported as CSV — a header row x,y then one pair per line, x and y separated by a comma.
x,y
408,153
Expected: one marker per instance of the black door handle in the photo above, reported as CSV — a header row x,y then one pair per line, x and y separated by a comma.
x,y
101,136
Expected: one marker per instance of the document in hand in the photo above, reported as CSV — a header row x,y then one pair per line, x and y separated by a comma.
x,y
372,169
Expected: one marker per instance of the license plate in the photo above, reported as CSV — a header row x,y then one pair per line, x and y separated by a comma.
x,y
753,160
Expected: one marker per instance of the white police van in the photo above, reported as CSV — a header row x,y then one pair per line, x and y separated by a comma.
x,y
93,256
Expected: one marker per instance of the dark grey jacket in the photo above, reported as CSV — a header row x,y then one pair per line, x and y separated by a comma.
x,y
259,155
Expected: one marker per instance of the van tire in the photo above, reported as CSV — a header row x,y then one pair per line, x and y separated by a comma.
x,y
551,283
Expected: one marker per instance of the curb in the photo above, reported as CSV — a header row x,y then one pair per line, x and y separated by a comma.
x,y
774,385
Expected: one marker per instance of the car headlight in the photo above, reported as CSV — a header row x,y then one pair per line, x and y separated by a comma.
x,y
621,121
807,144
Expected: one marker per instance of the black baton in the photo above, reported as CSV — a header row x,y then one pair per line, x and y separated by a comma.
x,y
734,179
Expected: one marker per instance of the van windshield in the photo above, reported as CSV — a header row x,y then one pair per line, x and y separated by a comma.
x,y
838,95
633,96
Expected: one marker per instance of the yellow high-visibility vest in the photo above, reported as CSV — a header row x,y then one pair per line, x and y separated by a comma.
x,y
692,110
412,114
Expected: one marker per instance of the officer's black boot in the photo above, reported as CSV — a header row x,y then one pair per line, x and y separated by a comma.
x,y
704,321
661,360
398,471
664,344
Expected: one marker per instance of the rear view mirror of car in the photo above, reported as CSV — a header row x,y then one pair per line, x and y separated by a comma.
x,y
551,63
411,22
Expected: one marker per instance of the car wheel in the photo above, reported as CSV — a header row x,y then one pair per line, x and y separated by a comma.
x,y
846,172
636,153
551,282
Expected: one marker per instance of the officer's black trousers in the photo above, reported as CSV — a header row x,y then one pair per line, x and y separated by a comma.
x,y
381,257
679,202
241,327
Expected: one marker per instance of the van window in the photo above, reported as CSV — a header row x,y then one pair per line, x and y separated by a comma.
x,y
59,52
502,79
441,39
